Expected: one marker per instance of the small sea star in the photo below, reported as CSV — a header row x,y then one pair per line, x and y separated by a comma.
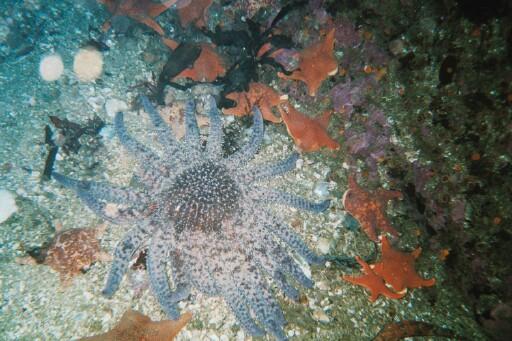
x,y
308,133
316,63
136,326
397,268
369,208
373,282
259,94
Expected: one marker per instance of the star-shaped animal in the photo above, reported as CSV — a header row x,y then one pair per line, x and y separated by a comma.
x,y
369,208
309,134
194,12
397,268
135,326
72,251
373,283
143,11
259,94
207,67
316,63
393,275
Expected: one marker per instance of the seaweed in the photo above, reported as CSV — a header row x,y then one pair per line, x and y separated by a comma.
x,y
52,154
244,70
72,131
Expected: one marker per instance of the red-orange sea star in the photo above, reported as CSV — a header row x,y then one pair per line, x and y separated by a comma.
x,y
316,63
309,134
372,282
136,326
259,94
368,208
397,268
143,11
207,67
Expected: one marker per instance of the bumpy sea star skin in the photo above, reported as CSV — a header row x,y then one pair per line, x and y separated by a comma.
x,y
206,217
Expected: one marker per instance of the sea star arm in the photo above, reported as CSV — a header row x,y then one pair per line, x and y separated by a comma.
x,y
281,230
111,4
123,254
191,129
143,154
260,301
94,204
164,133
283,198
372,282
157,252
156,9
102,191
150,22
385,195
236,302
382,222
247,152
263,172
289,290
261,249
282,260
214,143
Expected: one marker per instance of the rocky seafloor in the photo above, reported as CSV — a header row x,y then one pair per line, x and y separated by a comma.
x,y
423,105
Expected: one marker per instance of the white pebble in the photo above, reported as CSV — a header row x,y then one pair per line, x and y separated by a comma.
x,y
322,285
51,67
7,205
320,316
113,106
213,337
324,246
321,189
240,335
299,163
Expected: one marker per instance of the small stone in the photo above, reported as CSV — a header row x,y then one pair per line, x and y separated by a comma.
x,y
320,316
112,210
113,106
322,285
240,335
397,47
213,337
321,189
324,245
7,205
299,163
224,338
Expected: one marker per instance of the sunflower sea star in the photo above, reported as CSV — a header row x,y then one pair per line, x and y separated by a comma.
x,y
206,217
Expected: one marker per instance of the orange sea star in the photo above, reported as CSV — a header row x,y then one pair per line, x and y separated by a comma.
x,y
136,326
207,67
309,134
372,282
259,94
397,268
194,12
316,63
143,11
369,209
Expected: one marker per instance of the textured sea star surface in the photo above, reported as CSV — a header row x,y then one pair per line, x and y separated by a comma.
x,y
369,208
207,217
136,326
